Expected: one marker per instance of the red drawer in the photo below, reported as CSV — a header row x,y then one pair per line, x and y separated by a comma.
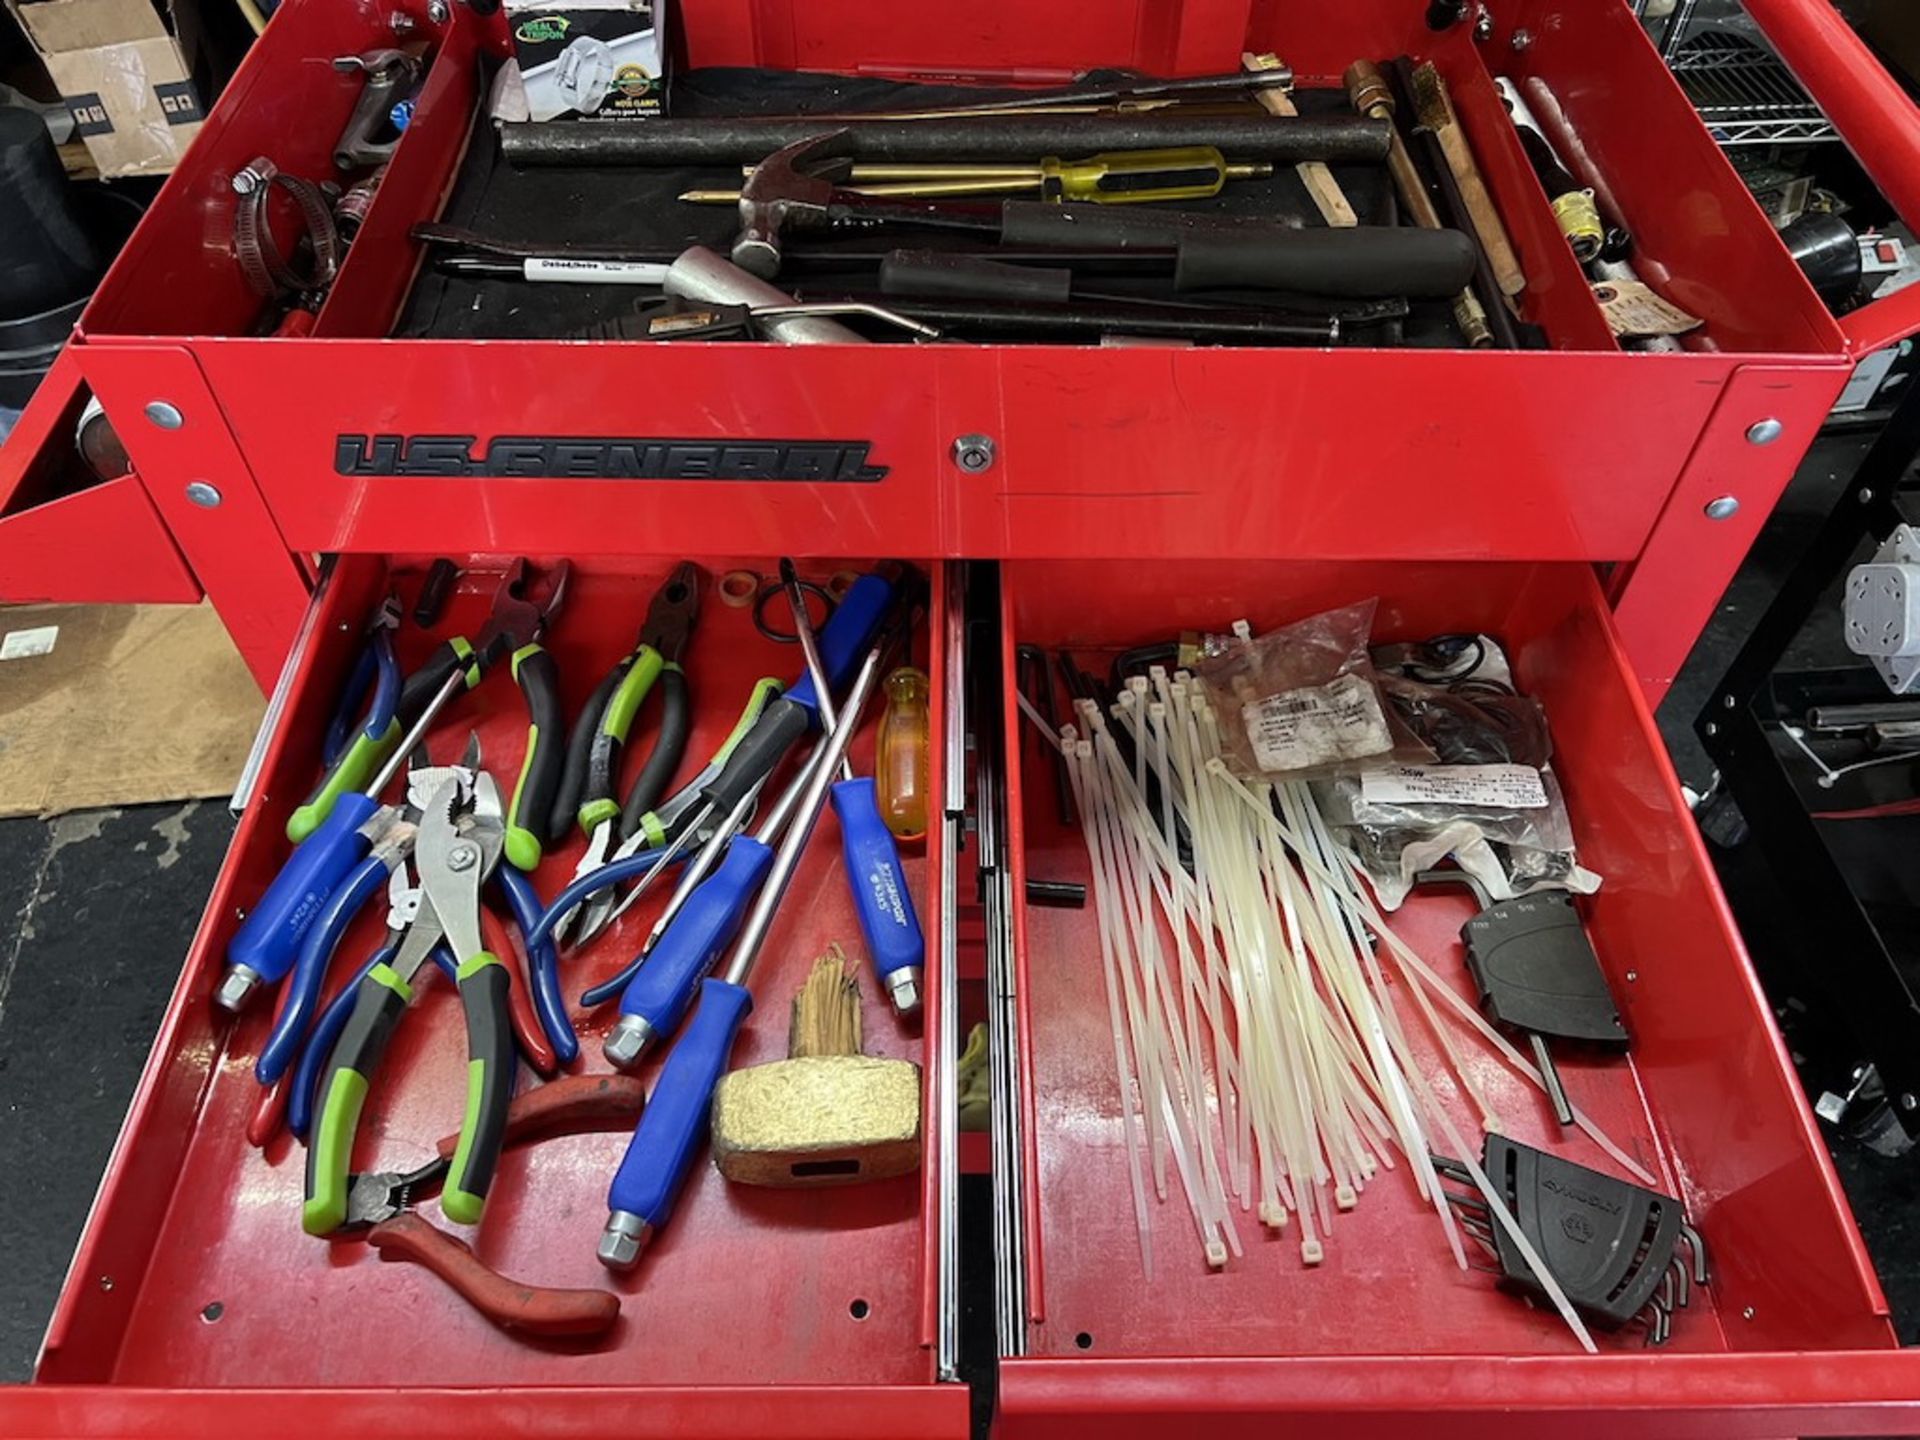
x,y
756,1312
1387,1336
1202,453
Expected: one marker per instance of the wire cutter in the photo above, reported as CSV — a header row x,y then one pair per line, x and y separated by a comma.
x,y
589,786
459,843
380,1204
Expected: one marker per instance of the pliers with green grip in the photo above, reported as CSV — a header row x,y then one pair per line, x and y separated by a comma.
x,y
512,630
459,843
589,789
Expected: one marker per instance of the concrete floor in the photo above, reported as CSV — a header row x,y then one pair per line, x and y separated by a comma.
x,y
100,907
105,904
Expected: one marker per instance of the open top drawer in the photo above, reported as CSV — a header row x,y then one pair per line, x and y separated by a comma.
x,y
1203,452
194,1275
1790,1336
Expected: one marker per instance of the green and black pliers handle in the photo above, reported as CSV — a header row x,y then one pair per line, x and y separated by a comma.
x,y
380,1002
539,780
592,781
368,752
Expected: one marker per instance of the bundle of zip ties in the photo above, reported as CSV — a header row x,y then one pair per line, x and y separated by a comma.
x,y
1256,1039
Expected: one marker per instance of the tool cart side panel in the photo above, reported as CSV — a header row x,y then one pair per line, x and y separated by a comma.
x,y
1662,602
176,435
53,510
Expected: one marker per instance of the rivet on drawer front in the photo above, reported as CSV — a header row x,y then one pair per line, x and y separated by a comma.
x,y
165,415
1747,1314
973,453
202,494
1765,432
1722,507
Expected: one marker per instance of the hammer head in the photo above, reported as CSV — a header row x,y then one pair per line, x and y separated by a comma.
x,y
822,1120
791,187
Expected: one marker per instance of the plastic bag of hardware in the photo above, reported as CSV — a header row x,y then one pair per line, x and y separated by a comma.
x,y
1513,804
1504,871
1457,694
1303,701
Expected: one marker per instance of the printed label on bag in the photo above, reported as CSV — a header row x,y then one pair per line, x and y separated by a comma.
x,y
1497,787
1317,725
21,644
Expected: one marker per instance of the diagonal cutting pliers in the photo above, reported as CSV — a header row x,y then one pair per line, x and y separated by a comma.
x,y
590,784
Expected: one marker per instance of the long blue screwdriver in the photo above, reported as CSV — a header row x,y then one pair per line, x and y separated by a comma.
x,y
868,850
675,1121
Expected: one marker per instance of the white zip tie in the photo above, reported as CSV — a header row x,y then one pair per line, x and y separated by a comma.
x,y
1081,757
1369,915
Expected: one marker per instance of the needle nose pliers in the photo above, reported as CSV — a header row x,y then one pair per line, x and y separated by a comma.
x,y
459,843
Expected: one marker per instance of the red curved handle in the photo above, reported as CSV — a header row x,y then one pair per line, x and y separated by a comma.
x,y
1877,119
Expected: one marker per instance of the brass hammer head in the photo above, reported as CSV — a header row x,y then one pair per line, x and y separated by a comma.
x,y
821,1120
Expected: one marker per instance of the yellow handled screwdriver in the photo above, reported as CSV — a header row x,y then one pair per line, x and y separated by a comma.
x,y
1121,177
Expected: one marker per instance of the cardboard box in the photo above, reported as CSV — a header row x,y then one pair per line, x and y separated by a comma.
x,y
600,58
122,78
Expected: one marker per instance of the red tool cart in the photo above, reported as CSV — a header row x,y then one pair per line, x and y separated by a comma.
x,y
1586,503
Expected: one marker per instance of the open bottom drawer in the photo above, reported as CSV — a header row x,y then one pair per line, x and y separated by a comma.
x,y
1791,1336
194,1276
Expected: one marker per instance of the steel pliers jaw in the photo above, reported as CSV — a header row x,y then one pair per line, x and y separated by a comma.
x,y
461,834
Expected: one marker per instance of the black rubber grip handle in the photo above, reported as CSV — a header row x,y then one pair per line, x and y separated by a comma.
x,y
423,684
1082,318
738,139
490,1061
573,773
938,274
532,805
753,759
669,747
1082,225
434,590
1359,263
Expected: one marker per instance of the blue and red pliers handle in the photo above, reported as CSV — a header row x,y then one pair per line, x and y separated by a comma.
x,y
353,755
543,965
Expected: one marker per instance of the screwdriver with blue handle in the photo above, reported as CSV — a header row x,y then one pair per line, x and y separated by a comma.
x,y
659,828
674,1123
868,849
706,907
268,941
656,993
